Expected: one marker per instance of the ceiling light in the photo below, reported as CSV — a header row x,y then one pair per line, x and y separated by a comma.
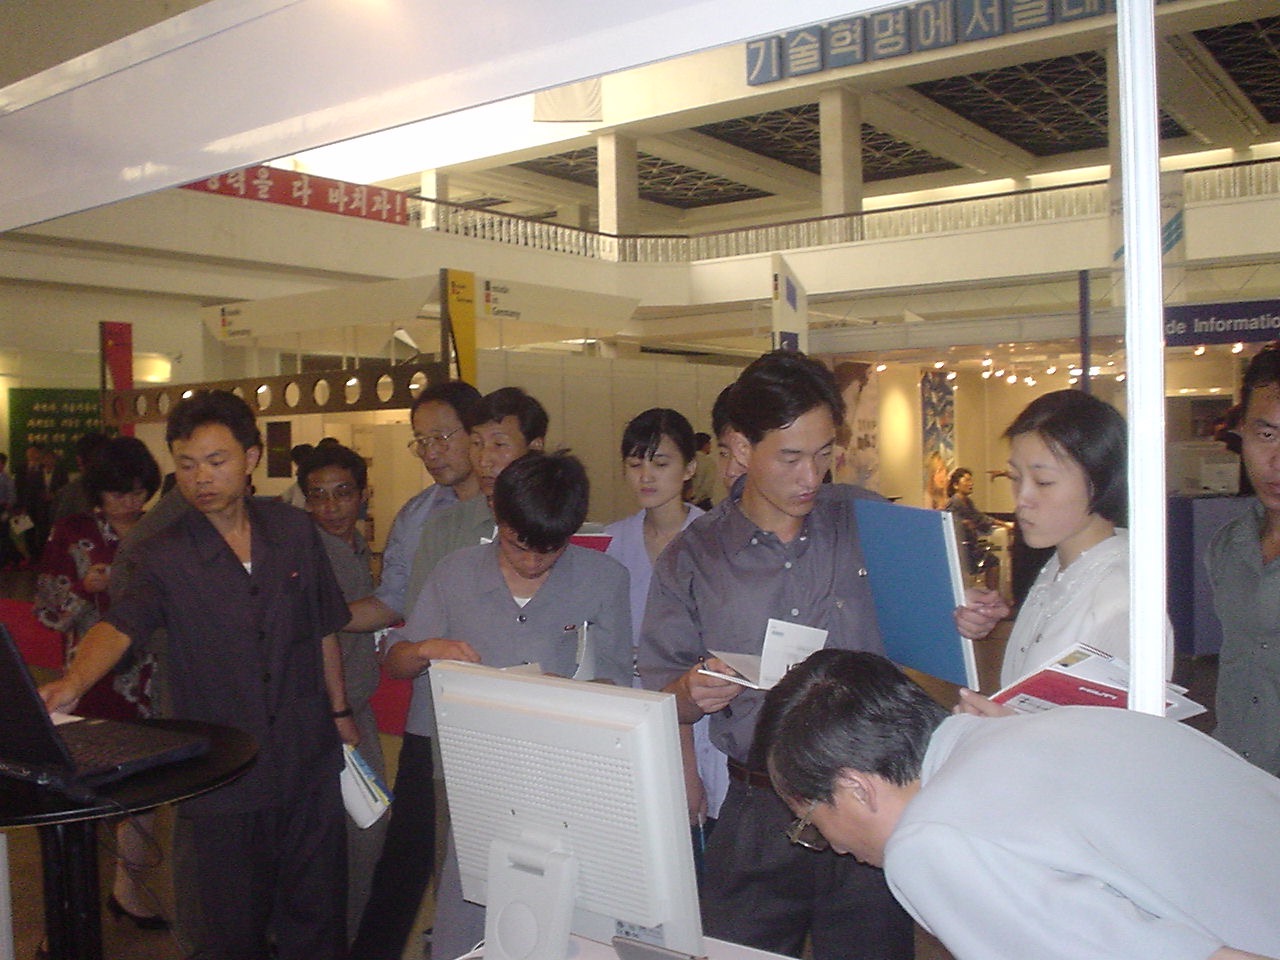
x,y
939,364
986,361
1073,380
1050,370
353,382
1237,347
1215,389
1029,381
1011,378
1199,351
1119,378
951,374
881,367
986,374
1075,372
999,373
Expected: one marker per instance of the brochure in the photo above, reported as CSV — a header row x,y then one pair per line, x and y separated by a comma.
x,y
1085,676
785,644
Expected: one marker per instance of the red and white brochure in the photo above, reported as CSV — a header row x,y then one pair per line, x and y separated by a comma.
x,y
1088,677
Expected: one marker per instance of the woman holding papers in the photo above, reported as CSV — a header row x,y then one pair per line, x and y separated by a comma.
x,y
1067,464
658,457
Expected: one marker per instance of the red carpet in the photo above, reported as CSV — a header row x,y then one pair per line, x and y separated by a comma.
x,y
40,646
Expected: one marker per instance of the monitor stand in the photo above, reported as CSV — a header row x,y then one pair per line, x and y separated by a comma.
x,y
531,890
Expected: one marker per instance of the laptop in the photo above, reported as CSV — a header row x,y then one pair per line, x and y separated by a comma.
x,y
75,757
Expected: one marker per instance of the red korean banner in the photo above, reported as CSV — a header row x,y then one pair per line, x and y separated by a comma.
x,y
293,189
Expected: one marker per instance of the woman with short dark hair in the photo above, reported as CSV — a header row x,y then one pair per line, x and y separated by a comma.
x,y
71,596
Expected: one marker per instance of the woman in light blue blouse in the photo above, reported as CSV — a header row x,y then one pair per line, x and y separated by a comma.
x,y
658,459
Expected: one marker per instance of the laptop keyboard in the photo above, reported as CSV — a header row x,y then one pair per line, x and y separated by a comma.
x,y
97,747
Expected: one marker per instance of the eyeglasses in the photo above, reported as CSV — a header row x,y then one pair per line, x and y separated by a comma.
x,y
343,492
421,444
804,833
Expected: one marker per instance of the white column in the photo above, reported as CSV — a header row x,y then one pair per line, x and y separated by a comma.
x,y
434,186
1144,342
618,183
840,123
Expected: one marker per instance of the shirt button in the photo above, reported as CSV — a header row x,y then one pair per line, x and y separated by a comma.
x,y
787,565
795,612
755,540
266,676
1253,699
522,619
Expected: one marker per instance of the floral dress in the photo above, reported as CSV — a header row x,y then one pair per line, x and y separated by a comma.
x,y
77,543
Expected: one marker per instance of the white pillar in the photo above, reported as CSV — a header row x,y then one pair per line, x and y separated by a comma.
x,y
434,185
618,183
840,125
1144,342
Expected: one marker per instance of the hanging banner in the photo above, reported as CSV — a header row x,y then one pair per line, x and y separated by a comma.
x,y
938,428
790,309
115,360
292,189
460,308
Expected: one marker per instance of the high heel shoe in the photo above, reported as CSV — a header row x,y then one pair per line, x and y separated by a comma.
x,y
117,910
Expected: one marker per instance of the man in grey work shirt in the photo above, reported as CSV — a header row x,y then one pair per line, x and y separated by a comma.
x,y
786,547
441,442
1246,580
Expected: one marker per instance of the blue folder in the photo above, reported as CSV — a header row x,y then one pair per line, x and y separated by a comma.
x,y
913,564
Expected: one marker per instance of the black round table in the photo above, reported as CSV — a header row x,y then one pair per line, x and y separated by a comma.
x,y
68,845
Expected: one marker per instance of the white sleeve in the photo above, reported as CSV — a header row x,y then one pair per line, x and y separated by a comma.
x,y
986,902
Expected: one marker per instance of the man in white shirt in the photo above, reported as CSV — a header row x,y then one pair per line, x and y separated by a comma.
x,y
1079,832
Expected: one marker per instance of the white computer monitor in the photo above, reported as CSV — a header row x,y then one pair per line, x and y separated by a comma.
x,y
568,810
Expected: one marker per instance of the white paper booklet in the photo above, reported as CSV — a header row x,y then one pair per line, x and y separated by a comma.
x,y
785,644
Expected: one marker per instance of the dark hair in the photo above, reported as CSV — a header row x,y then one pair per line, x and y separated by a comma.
x,y
844,710
458,394
206,407
1092,433
720,412
953,481
509,402
333,455
543,498
778,388
300,452
644,434
1263,370
88,444
121,465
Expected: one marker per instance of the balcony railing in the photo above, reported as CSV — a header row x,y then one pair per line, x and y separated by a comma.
x,y
1045,205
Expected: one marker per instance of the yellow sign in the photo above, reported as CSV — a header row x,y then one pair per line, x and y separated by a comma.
x,y
460,293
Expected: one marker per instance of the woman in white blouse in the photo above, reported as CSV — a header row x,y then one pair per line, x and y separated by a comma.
x,y
1067,464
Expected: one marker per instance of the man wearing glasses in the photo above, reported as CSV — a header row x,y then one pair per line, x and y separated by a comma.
x,y
441,443
1078,832
490,432
334,481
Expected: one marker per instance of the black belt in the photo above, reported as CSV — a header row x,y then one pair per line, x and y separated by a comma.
x,y
752,778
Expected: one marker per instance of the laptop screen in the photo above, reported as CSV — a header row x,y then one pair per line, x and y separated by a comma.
x,y
29,736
